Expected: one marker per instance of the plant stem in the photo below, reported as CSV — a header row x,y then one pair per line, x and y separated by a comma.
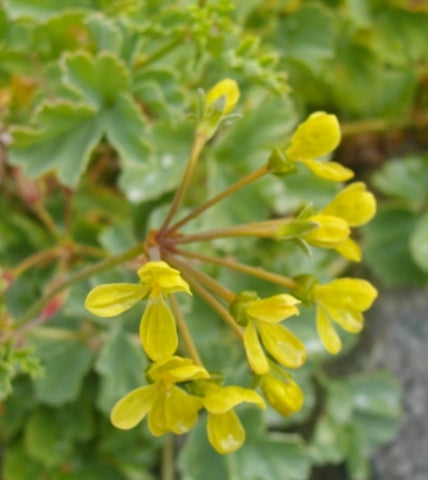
x,y
217,306
266,229
32,260
47,220
185,332
240,267
198,145
78,277
217,198
223,292
168,458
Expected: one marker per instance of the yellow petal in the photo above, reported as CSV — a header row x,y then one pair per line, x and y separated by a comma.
x,y
255,354
176,369
158,332
328,170
133,407
225,432
174,411
326,332
354,204
286,397
284,347
315,137
221,399
224,93
273,309
332,231
114,298
349,320
161,279
346,294
350,250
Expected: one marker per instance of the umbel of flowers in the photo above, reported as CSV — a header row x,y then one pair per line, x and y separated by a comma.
x,y
179,386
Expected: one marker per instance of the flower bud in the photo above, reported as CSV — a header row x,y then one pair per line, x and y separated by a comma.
x,y
222,97
286,397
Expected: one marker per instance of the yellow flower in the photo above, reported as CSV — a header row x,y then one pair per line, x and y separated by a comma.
x,y
225,431
263,318
285,396
331,233
341,301
317,136
169,408
352,207
223,96
354,204
158,331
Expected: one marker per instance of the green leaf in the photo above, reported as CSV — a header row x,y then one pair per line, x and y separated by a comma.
x,y
18,465
375,393
62,32
96,80
121,365
66,363
407,48
328,442
142,182
126,131
386,247
64,141
308,35
45,440
67,133
158,88
404,179
357,463
419,243
104,32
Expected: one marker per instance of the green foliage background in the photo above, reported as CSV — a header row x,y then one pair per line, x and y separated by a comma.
x,y
95,98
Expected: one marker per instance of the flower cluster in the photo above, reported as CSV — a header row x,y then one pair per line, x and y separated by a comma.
x,y
179,388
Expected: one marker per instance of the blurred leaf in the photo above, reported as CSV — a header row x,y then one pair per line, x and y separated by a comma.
x,y
67,135
18,465
159,90
149,181
411,45
45,440
66,363
404,179
308,35
386,247
419,243
375,393
357,463
118,237
104,32
121,366
328,442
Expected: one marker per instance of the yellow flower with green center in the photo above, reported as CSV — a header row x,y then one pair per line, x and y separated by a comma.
x,y
317,136
341,301
158,332
284,395
263,317
225,431
169,407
